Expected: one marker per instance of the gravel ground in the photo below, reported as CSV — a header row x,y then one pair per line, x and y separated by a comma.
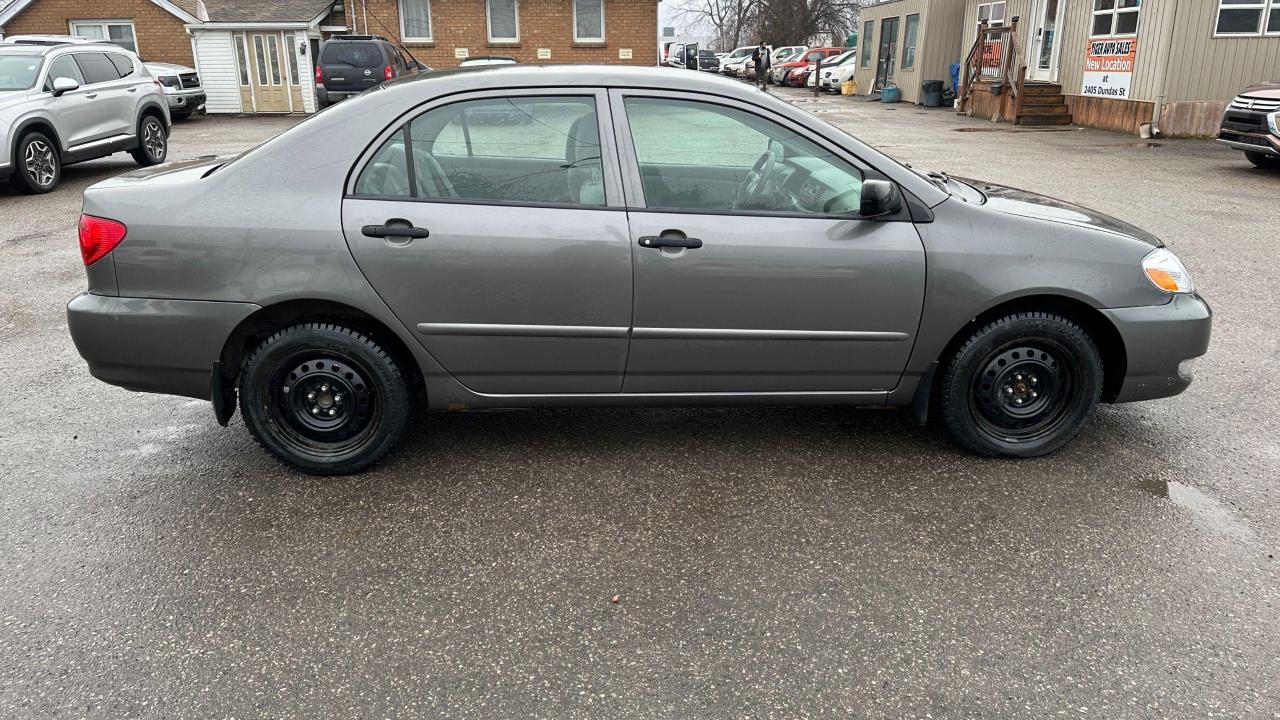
x,y
772,563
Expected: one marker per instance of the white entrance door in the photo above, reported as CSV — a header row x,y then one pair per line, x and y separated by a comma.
x,y
1042,65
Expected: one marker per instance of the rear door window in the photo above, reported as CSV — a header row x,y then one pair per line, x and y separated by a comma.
x,y
521,150
96,68
354,54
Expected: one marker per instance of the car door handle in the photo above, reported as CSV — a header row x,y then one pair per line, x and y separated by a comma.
x,y
395,228
133,89
670,239
91,95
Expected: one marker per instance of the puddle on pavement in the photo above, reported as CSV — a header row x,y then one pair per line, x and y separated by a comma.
x,y
1206,511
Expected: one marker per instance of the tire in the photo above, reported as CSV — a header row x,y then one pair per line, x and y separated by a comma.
x,y
1021,386
153,142
37,164
1265,162
324,399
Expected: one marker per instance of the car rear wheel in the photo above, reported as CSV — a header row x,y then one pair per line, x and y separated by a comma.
x,y
1021,386
39,168
1266,162
153,142
324,398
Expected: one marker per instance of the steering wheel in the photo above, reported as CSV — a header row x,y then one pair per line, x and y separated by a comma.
x,y
752,187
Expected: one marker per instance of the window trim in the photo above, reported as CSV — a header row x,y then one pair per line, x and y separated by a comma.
x,y
488,24
610,161
1264,7
583,38
633,185
106,33
906,26
431,24
1115,14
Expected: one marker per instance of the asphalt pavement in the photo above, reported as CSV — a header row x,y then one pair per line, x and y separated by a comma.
x,y
667,563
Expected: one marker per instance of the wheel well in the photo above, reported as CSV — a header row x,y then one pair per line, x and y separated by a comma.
x,y
154,111
257,327
40,126
1099,328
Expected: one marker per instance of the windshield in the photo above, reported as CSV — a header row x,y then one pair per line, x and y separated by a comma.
x,y
840,59
741,52
18,72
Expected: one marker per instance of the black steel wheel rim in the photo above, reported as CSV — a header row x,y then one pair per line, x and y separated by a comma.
x,y
1025,390
322,403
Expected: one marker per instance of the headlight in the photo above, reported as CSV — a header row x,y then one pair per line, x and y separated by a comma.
x,y
1274,121
1166,272
168,81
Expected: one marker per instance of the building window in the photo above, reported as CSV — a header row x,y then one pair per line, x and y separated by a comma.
x,y
242,58
588,20
119,32
1115,17
868,30
1248,17
415,20
992,12
504,21
909,42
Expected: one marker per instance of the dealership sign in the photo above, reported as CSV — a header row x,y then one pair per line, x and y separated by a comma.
x,y
1108,67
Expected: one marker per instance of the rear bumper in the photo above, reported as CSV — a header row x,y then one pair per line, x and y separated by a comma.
x,y
152,345
1158,339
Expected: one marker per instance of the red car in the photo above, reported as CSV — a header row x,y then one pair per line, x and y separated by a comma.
x,y
796,72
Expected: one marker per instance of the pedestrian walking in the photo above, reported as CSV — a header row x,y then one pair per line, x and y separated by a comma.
x,y
761,59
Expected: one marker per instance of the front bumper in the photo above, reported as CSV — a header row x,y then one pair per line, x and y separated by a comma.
x,y
185,102
1158,339
153,345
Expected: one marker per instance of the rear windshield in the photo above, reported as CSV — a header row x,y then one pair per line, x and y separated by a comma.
x,y
355,54
18,72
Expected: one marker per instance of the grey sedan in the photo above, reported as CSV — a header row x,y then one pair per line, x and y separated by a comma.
x,y
540,236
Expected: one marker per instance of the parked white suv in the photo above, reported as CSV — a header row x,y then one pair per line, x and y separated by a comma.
x,y
62,104
181,86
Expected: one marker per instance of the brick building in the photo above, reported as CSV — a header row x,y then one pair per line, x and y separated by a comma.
x,y
154,29
258,55
441,32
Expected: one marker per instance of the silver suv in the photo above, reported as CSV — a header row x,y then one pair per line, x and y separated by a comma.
x,y
63,104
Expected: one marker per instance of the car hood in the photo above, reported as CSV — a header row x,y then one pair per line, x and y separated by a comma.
x,y
157,67
13,97
1013,201
1266,90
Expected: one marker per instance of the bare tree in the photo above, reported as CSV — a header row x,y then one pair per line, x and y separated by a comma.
x,y
732,22
795,22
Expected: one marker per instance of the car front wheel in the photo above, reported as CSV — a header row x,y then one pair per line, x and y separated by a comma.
x,y
324,398
39,166
153,142
1021,386
1266,162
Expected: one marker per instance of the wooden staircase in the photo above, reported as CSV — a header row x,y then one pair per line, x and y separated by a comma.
x,y
1042,104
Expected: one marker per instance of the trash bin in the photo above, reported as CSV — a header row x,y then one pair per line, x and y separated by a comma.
x,y
955,78
890,94
932,93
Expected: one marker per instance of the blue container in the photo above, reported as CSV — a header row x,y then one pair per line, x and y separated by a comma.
x,y
955,78
890,94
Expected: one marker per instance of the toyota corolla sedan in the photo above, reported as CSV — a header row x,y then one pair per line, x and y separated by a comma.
x,y
643,239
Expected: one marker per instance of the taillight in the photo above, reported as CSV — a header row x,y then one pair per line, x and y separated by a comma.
x,y
386,73
98,237
319,75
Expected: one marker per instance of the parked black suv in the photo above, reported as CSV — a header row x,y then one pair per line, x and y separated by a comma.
x,y
350,64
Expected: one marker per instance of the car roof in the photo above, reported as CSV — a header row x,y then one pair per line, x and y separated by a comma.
x,y
24,49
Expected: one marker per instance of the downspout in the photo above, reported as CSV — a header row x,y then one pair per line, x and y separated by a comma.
x,y
1157,109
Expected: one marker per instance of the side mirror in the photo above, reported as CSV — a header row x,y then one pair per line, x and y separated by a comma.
x,y
63,85
879,198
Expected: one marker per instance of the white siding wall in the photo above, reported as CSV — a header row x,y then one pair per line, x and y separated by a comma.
x,y
216,63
